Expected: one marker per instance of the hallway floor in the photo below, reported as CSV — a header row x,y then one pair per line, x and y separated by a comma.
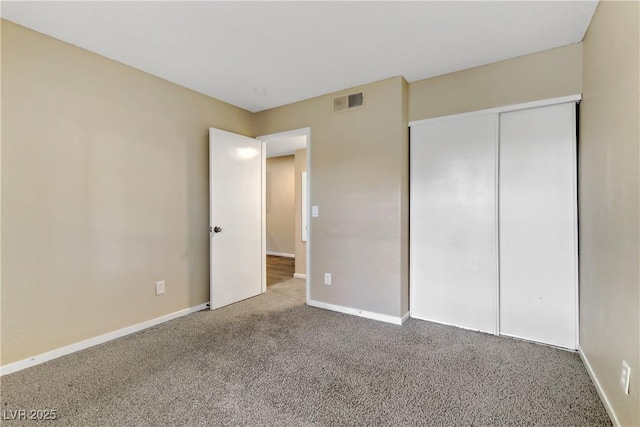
x,y
279,269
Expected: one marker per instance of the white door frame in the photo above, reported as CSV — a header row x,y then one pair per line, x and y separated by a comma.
x,y
275,136
264,217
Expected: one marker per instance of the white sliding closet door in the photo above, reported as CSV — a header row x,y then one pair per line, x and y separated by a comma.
x,y
453,222
537,210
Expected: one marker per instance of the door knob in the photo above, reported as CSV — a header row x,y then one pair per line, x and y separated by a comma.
x,y
217,229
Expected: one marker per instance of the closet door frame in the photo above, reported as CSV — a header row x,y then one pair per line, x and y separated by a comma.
x,y
496,111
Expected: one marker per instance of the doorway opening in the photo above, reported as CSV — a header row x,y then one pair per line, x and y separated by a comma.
x,y
286,205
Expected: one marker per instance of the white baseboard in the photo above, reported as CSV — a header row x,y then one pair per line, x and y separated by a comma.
x,y
396,320
281,254
405,317
599,389
100,339
300,276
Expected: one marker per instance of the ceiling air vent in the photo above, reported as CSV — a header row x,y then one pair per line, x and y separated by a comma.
x,y
347,102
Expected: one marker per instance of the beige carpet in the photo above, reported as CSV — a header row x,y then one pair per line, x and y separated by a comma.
x,y
271,360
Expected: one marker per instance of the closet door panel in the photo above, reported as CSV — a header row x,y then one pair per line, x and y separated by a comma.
x,y
453,222
538,291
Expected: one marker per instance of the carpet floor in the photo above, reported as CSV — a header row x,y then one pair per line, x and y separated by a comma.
x,y
272,360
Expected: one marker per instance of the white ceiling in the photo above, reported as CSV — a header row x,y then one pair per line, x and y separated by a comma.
x,y
259,55
285,146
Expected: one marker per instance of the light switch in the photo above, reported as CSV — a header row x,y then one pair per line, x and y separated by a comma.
x,y
314,211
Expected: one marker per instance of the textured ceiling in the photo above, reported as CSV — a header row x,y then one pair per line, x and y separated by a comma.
x,y
259,55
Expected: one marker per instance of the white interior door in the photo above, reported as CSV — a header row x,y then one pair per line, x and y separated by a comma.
x,y
235,217
538,278
453,222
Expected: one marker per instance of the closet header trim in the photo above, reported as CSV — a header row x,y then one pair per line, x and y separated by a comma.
x,y
504,109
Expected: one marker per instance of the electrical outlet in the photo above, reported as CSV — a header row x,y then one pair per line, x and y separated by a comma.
x,y
625,376
327,278
160,287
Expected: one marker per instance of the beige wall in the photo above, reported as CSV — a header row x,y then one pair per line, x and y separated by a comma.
x,y
1,25
609,214
105,192
358,170
301,247
281,205
549,74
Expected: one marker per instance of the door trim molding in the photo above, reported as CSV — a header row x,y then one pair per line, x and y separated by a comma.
x,y
284,254
298,132
396,320
287,133
263,180
503,109
100,339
